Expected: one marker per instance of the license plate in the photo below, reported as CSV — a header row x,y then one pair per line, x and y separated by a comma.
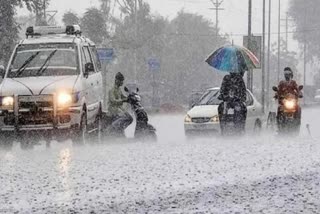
x,y
231,111
200,126
39,98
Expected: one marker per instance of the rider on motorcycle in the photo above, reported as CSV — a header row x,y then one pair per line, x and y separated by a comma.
x,y
121,119
233,92
285,87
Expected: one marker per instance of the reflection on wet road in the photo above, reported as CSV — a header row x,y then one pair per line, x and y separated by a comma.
x,y
255,174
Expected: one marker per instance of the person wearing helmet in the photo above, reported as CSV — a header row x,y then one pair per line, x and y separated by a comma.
x,y
121,119
233,92
285,87
288,85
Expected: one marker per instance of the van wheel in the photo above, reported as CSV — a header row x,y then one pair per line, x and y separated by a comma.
x,y
97,135
26,144
257,126
82,133
6,141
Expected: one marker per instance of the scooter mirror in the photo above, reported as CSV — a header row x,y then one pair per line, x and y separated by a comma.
x,y
274,88
126,89
137,89
300,87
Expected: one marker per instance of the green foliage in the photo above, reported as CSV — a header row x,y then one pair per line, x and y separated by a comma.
x,y
70,18
181,46
306,18
93,25
9,29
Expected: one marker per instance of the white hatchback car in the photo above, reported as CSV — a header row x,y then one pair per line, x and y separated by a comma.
x,y
317,96
203,117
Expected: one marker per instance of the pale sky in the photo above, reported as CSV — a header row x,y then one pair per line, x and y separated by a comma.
x,y
232,20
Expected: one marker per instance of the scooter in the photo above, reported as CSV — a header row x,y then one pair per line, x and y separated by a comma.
x,y
289,113
143,130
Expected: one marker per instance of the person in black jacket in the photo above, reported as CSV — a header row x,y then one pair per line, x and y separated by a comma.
x,y
233,93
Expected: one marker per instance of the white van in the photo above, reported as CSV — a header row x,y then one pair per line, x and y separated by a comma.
x,y
52,87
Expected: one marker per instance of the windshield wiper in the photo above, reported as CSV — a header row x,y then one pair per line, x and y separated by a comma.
x,y
26,63
43,68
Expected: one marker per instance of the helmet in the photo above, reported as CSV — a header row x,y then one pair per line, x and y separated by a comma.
x,y
119,76
288,74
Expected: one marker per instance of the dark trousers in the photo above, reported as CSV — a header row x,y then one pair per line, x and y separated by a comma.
x,y
121,122
239,117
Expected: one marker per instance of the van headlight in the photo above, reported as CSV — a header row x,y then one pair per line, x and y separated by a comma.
x,y
7,102
214,119
64,99
187,119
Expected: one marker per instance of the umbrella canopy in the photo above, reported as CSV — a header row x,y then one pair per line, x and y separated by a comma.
x,y
233,58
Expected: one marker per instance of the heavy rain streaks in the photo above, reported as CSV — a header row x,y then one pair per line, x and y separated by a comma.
x,y
173,175
148,106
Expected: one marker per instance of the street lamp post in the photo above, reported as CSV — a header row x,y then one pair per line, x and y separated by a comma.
x,y
249,75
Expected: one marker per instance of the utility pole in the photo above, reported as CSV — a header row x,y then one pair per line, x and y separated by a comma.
x,y
44,11
268,58
250,73
217,4
287,20
279,40
263,56
136,39
305,53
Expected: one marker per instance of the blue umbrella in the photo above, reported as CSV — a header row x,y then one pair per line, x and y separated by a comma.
x,y
233,58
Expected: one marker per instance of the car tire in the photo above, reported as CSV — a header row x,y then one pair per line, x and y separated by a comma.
x,y
97,136
257,126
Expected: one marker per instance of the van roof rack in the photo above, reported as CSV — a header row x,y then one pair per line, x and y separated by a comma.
x,y
53,30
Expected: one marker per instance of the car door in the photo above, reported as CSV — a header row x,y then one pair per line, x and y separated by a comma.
x,y
90,86
97,76
251,112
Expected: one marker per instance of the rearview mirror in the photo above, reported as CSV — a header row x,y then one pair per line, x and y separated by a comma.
x,y
137,90
2,71
300,87
274,88
88,68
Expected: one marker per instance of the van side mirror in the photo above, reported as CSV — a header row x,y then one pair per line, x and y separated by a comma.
x,y
300,87
274,88
88,69
2,71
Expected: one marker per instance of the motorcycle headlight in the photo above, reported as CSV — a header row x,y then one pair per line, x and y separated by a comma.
x,y
64,99
290,104
7,102
214,119
187,119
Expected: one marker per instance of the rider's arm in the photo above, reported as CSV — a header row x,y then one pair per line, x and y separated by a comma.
x,y
296,88
243,91
113,100
224,87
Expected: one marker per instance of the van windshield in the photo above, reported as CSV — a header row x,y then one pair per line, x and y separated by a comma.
x,y
44,60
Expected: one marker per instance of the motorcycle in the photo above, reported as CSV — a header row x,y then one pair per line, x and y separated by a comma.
x,y
289,112
230,118
143,130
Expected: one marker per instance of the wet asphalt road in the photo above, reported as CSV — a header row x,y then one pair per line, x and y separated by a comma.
x,y
254,174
